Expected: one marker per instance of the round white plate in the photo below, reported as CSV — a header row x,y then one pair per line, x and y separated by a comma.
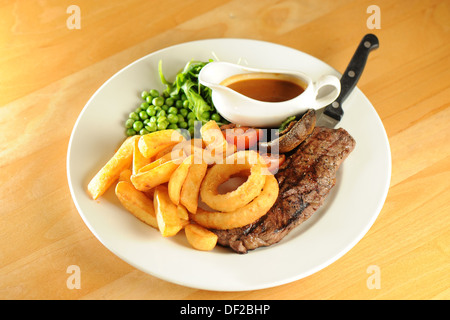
x,y
350,210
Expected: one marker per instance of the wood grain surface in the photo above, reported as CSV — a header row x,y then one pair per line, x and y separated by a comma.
x,y
49,71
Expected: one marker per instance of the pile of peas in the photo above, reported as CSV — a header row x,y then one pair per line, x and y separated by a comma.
x,y
162,111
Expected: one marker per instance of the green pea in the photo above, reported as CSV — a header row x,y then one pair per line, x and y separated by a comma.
x,y
131,132
143,115
183,97
161,113
173,118
184,112
146,121
186,104
175,96
179,104
158,101
191,115
144,94
173,110
149,99
143,131
191,122
172,126
138,125
134,116
144,105
161,119
153,119
206,115
157,108
154,93
180,118
191,131
129,123
151,127
183,125
215,117
162,125
165,107
151,111
170,101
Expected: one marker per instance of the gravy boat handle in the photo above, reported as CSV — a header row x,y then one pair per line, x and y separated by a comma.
x,y
327,81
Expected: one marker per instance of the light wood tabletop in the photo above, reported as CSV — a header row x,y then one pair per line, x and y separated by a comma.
x,y
55,54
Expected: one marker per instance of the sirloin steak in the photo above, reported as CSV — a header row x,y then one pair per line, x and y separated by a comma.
x,y
305,179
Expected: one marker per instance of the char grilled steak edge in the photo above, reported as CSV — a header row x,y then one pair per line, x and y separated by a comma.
x,y
305,179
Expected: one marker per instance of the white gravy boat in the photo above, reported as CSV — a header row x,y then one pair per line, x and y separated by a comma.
x,y
240,109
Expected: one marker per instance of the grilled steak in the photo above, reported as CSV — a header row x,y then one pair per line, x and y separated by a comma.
x,y
305,180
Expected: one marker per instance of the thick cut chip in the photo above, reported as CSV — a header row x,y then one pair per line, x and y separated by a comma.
x,y
125,175
152,143
110,172
137,203
217,146
191,186
169,222
176,155
139,160
183,214
144,181
200,238
212,135
177,179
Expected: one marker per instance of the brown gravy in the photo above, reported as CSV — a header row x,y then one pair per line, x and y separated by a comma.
x,y
266,87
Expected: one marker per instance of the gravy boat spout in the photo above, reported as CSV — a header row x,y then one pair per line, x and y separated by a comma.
x,y
241,109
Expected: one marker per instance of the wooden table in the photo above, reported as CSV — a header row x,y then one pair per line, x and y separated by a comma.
x,y
51,63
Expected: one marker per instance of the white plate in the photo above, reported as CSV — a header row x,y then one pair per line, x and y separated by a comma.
x,y
349,212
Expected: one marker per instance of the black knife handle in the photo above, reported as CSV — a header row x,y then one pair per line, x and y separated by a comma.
x,y
352,74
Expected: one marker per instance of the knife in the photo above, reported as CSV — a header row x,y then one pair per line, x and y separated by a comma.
x,y
329,116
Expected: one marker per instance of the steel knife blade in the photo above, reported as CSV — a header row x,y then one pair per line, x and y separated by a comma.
x,y
330,115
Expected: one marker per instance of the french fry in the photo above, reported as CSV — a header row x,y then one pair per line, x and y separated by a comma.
x,y
144,181
169,222
152,143
139,160
137,203
125,175
183,214
110,172
212,135
217,147
200,238
164,151
177,179
191,146
191,186
174,155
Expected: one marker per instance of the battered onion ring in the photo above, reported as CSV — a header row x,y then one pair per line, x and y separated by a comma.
x,y
242,216
219,173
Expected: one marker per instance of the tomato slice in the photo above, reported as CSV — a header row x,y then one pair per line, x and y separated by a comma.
x,y
243,137
274,161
